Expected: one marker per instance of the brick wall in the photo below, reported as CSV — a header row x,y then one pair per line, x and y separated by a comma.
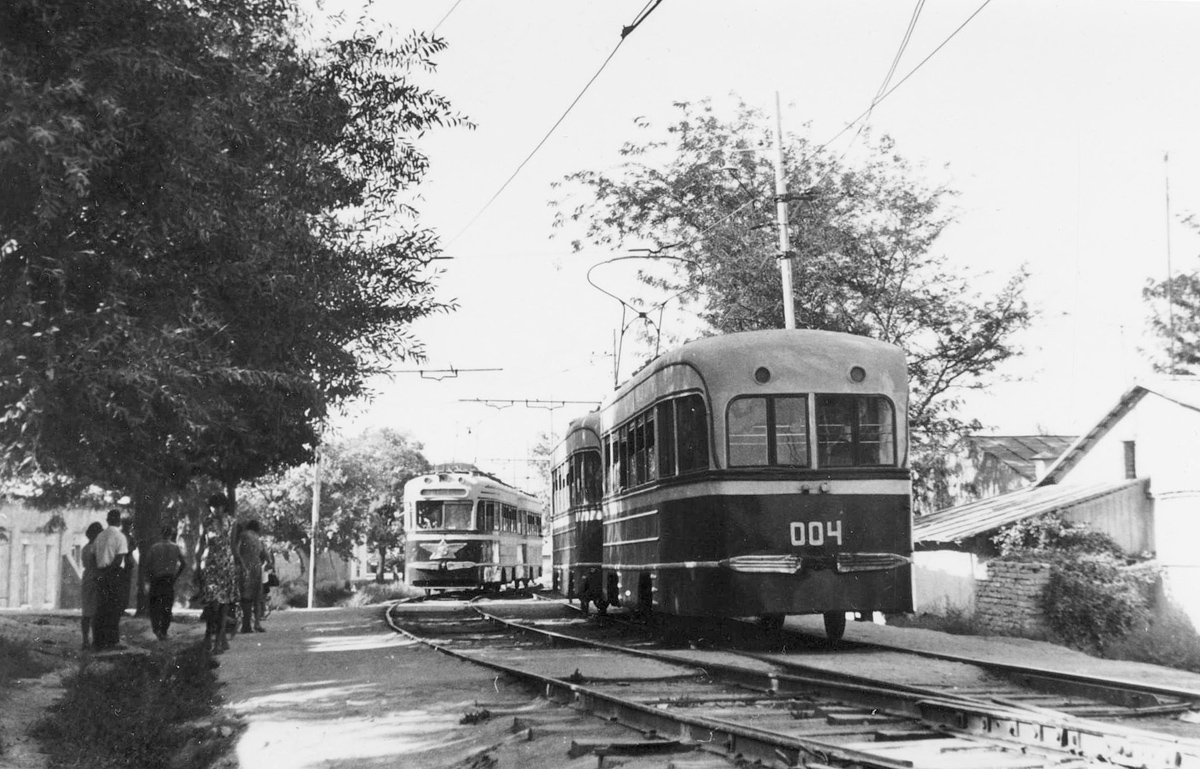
x,y
1007,602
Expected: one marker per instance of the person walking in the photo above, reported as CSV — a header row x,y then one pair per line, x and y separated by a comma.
x,y
87,582
164,563
111,549
218,573
252,556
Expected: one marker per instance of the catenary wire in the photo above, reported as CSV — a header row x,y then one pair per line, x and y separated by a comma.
x,y
625,32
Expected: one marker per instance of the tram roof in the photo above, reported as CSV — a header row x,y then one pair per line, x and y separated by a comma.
x,y
771,345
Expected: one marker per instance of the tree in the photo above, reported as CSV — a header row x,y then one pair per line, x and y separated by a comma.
x,y
204,237
362,487
1175,319
863,237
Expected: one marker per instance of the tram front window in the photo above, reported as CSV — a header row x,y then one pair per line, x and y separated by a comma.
x,y
443,515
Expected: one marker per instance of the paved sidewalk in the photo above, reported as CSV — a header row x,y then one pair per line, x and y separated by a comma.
x,y
337,688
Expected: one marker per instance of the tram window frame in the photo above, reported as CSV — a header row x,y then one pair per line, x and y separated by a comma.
x,y
853,445
593,478
766,453
486,518
692,429
622,453
508,516
665,419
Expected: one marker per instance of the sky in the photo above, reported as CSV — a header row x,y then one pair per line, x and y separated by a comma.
x,y
1051,120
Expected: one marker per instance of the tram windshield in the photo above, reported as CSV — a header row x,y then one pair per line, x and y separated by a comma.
x,y
433,514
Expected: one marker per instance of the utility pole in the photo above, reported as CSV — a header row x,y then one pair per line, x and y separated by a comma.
x,y
781,212
312,538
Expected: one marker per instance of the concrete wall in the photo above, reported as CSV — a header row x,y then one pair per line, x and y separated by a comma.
x,y
1007,602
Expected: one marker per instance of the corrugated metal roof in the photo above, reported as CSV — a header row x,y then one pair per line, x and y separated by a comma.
x,y
958,523
1021,452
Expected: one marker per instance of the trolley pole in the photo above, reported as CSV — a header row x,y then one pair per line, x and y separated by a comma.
x,y
781,212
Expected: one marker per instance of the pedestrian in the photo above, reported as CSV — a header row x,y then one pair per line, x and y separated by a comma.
x,y
87,582
127,587
218,574
111,549
251,557
164,564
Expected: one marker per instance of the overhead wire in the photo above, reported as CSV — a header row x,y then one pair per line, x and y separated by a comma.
x,y
625,32
443,21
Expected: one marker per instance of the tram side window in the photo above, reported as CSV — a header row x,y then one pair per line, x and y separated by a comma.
x,y
692,427
592,478
855,430
666,439
533,525
637,449
509,518
623,458
487,516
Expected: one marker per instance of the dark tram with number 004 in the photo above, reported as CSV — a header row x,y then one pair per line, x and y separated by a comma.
x,y
757,474
469,530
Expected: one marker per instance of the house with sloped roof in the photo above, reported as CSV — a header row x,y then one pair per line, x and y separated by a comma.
x,y
1135,475
985,466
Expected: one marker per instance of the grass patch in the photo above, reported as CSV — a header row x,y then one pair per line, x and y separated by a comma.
x,y
137,711
18,660
955,622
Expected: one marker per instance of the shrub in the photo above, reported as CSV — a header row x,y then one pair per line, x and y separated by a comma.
x,y
1094,599
1168,638
1054,534
294,593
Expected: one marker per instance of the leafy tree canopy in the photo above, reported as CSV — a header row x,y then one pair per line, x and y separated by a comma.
x,y
362,486
1175,319
205,239
863,237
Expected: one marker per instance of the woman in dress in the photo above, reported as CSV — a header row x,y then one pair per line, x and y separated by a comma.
x,y
87,586
218,573
251,557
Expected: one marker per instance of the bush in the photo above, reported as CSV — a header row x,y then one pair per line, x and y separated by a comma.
x,y
1168,638
294,593
1094,599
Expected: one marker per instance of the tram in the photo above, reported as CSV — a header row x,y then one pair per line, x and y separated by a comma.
x,y
466,529
759,474
577,534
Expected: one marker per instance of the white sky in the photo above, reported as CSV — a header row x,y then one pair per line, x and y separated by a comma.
x,y
1049,118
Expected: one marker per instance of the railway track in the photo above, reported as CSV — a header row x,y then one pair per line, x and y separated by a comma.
x,y
761,706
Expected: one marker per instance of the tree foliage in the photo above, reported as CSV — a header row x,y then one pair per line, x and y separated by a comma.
x,y
362,487
863,236
1175,319
205,234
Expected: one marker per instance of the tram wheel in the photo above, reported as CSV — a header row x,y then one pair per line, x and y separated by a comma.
x,y
835,625
773,623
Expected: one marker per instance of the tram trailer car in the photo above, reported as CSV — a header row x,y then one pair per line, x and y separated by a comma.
x,y
467,529
578,536
762,474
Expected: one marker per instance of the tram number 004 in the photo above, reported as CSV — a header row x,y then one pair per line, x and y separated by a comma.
x,y
816,532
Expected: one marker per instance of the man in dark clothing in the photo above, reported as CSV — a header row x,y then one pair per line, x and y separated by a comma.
x,y
111,549
164,563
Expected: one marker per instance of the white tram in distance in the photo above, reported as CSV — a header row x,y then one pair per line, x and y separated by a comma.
x,y
469,530
758,474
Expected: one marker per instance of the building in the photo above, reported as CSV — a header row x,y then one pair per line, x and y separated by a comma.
x,y
986,466
1134,476
40,555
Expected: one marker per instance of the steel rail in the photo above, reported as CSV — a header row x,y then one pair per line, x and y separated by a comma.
x,y
1023,726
